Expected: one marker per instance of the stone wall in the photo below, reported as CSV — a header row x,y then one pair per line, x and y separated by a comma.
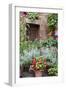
x,y
41,32
43,26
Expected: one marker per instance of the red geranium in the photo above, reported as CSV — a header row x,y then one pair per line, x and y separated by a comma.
x,y
34,61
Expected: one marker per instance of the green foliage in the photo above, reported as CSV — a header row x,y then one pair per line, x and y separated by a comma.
x,y
33,16
53,71
50,42
52,21
31,49
28,45
51,55
23,43
26,65
22,29
40,66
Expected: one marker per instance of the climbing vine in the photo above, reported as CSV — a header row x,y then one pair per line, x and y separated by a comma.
x,y
52,21
33,16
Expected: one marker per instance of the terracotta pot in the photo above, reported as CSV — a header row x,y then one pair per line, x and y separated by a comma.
x,y
38,73
21,70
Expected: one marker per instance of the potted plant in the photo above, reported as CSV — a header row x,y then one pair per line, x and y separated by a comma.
x,y
38,66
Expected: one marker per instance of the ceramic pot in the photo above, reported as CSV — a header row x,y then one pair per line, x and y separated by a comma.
x,y
38,73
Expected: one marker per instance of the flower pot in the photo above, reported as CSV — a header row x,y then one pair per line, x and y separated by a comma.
x,y
38,73
21,71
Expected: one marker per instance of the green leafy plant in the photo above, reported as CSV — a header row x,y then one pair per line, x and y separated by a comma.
x,y
50,42
52,21
53,71
33,16
39,63
22,34
30,49
26,65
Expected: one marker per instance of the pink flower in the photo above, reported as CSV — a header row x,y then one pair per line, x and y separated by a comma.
x,y
23,13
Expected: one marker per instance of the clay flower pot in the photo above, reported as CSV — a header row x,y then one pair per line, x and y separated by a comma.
x,y
38,73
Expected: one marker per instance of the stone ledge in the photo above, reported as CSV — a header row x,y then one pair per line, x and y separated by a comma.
x,y
37,22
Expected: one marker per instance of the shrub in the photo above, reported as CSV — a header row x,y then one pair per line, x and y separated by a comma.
x,y
53,71
50,42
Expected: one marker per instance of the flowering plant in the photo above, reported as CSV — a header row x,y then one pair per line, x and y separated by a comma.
x,y
38,64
